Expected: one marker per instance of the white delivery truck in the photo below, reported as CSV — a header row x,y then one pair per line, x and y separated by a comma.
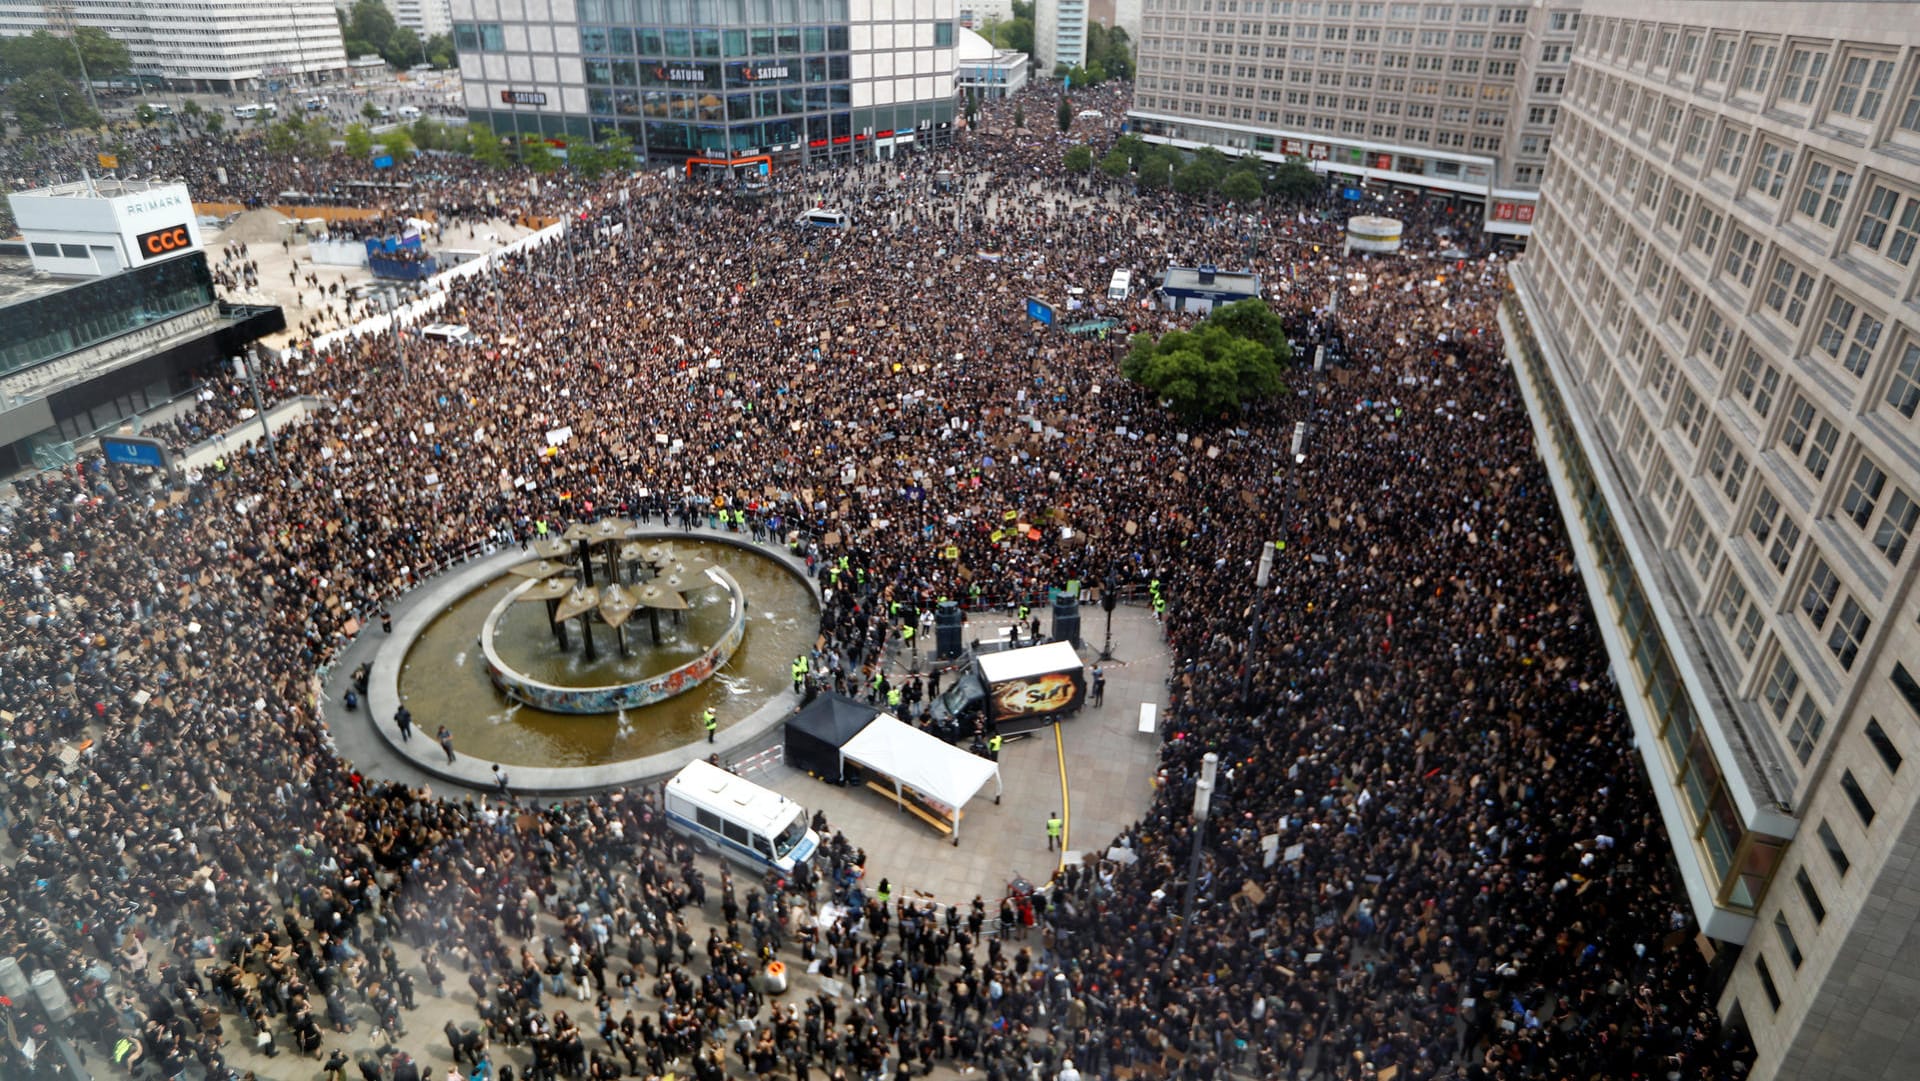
x,y
751,825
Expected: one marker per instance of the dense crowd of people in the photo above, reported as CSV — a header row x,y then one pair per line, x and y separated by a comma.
x,y
1431,854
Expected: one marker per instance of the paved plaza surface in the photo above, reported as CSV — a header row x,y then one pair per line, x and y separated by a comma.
x,y
1099,758
1104,761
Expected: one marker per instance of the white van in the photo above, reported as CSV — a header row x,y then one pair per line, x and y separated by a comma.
x,y
742,821
1120,286
824,218
456,333
246,112
408,112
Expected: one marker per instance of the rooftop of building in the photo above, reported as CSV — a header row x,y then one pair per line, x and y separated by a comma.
x,y
1181,277
19,281
98,188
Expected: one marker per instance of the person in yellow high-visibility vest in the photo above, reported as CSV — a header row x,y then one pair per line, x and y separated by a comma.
x,y
1054,827
994,743
712,722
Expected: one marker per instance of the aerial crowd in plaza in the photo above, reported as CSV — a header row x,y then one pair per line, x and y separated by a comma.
x,y
1432,852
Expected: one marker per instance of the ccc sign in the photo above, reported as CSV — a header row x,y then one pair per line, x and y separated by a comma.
x,y
164,241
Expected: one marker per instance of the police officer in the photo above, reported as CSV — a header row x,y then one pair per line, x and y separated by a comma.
x,y
1054,828
799,672
994,743
712,722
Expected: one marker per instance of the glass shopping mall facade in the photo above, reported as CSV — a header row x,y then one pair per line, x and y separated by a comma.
x,y
794,80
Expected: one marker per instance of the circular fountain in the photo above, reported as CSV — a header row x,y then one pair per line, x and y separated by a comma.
x,y
589,659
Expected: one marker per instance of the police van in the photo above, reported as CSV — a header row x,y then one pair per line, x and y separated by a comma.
x,y
1120,285
824,218
740,820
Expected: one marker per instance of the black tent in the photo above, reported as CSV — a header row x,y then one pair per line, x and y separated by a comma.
x,y
815,734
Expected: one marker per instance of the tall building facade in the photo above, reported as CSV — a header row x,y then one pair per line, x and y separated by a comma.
x,y
427,18
1059,34
1716,329
715,81
976,14
1451,98
210,45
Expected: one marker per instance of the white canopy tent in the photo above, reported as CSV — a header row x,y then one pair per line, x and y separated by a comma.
x,y
932,767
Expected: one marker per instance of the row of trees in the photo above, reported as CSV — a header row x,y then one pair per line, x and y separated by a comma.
x,y
42,70
368,27
1208,172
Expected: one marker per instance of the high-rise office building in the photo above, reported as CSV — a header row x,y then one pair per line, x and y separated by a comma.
x,y
1059,34
1717,333
724,83
211,45
1450,97
426,18
976,14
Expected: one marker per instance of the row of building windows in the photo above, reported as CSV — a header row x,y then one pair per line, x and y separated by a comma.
x,y
1883,513
669,42
711,12
1457,41
1742,862
1366,12
1842,87
1855,791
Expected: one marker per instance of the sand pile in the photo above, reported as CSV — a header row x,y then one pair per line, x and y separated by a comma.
x,y
256,227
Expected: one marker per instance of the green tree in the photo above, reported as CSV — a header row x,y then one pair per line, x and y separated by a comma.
x,y
1157,168
283,138
190,108
1115,164
440,51
1197,177
973,104
536,155
44,50
316,138
1019,116
397,142
1078,159
367,28
145,114
214,121
1065,113
1211,369
104,54
429,134
1255,322
485,147
1242,186
369,110
1295,181
403,49
613,154
359,142
48,101
1117,57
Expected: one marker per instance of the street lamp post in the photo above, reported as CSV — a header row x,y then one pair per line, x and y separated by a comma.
x,y
1109,599
399,339
1260,578
260,406
1202,804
